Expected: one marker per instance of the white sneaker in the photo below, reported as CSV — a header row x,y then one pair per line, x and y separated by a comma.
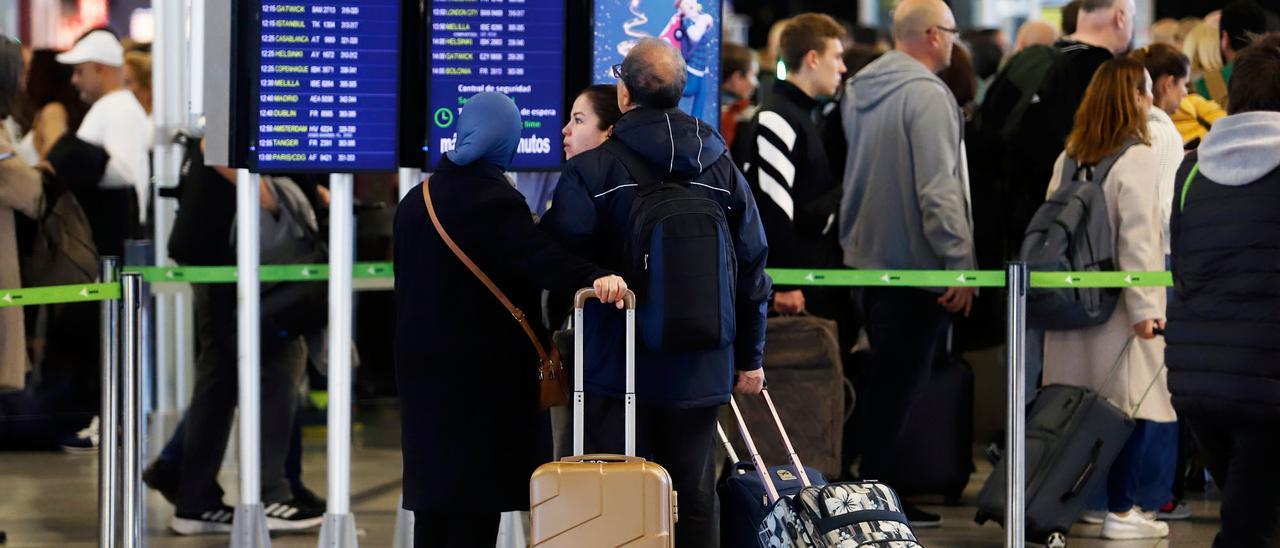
x,y
1093,517
1131,527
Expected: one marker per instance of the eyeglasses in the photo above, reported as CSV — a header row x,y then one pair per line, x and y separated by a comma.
x,y
617,71
949,30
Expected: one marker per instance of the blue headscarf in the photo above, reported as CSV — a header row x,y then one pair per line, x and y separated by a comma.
x,y
488,129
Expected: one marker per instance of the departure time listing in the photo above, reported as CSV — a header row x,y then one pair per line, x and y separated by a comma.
x,y
515,47
327,85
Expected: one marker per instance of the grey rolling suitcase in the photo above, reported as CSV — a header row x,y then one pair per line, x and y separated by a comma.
x,y
1073,436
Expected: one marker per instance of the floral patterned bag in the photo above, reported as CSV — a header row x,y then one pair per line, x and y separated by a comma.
x,y
850,515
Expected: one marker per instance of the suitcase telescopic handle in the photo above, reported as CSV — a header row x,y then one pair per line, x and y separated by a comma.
x,y
756,459
602,458
786,440
579,395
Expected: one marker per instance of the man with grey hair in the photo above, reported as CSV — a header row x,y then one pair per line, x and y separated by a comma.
x,y
905,206
654,149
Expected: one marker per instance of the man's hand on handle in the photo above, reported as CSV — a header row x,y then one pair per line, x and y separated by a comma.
x,y
611,289
749,382
958,299
789,303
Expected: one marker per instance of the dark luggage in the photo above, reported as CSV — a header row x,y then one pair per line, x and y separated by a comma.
x,y
744,496
802,362
1073,436
936,447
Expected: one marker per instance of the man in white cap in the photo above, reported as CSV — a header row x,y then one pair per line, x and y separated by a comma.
x,y
115,121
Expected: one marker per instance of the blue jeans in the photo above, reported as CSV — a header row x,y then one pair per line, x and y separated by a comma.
x,y
1133,476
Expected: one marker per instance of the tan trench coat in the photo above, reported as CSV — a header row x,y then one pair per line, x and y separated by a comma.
x,y
1085,357
20,190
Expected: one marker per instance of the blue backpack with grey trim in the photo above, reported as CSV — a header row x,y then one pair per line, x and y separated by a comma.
x,y
682,264
1072,232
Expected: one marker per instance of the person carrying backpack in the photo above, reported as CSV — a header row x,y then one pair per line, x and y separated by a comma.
x,y
662,203
1117,354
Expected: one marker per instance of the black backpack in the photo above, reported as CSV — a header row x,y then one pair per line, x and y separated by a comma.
x,y
682,262
1072,232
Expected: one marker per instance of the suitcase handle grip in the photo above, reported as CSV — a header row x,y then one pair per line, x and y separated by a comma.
x,y
601,457
583,295
1085,474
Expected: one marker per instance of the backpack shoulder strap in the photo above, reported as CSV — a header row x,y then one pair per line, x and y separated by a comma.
x,y
642,171
1103,167
1186,185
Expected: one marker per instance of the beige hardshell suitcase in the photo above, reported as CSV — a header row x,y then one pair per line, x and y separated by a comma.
x,y
602,501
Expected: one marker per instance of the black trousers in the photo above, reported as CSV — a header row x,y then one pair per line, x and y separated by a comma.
x,y
455,529
213,404
1242,459
908,333
683,442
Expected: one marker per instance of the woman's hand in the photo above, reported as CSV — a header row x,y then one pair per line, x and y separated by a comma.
x,y
1146,329
611,289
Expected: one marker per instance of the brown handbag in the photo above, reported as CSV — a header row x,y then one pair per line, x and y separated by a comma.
x,y
553,383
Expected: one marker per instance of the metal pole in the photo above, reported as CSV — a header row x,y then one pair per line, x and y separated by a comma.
x,y
249,530
409,178
131,453
1015,434
339,529
108,441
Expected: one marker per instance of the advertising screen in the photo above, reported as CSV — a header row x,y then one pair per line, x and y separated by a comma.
x,y
326,99
691,26
515,47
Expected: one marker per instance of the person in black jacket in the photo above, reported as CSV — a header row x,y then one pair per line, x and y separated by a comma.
x,y
1223,353
467,375
679,392
789,171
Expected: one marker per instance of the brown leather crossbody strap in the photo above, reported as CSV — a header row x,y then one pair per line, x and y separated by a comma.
x,y
493,288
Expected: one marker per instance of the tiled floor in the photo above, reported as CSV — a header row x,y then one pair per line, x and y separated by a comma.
x,y
49,499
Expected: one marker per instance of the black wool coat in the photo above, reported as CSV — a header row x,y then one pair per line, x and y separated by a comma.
x,y
471,430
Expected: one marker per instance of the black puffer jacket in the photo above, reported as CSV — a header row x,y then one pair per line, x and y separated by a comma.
x,y
1224,318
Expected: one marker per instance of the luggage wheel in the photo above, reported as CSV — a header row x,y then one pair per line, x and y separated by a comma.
x,y
1056,540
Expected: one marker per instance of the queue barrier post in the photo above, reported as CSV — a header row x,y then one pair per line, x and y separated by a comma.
x,y
1017,282
131,409
109,441
339,528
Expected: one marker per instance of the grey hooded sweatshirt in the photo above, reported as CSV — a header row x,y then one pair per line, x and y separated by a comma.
x,y
906,199
1242,148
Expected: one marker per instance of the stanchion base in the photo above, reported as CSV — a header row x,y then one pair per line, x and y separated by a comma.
x,y
511,530
338,531
404,529
249,530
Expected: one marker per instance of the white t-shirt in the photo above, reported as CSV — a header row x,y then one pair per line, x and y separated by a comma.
x,y
1167,143
118,123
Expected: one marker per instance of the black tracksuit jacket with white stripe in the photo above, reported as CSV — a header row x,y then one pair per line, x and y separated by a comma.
x,y
791,177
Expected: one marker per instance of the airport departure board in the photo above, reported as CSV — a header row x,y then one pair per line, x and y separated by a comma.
x,y
326,95
515,47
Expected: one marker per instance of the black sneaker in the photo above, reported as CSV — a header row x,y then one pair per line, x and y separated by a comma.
x,y
292,516
163,476
919,518
307,498
217,520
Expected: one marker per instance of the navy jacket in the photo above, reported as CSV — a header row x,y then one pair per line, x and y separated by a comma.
x,y
591,215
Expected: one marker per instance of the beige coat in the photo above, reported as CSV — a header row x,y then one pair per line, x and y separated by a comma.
x,y
20,190
1084,357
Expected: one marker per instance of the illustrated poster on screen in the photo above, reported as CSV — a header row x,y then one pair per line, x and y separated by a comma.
x,y
691,26
326,97
517,48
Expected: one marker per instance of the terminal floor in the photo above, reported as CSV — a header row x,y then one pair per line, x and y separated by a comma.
x,y
49,499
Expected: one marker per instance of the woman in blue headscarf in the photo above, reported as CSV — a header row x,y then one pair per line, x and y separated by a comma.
x,y
471,429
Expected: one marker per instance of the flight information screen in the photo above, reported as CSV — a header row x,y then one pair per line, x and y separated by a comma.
x,y
326,93
515,47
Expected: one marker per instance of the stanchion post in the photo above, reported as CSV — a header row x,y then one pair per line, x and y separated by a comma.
x,y
131,408
108,441
1015,432
339,530
249,530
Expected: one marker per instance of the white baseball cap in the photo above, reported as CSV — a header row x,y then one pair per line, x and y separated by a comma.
x,y
99,46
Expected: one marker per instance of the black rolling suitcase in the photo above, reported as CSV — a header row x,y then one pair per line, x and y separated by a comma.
x,y
936,447
1073,436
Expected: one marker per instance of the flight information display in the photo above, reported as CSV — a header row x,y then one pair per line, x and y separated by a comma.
x,y
326,96
515,47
